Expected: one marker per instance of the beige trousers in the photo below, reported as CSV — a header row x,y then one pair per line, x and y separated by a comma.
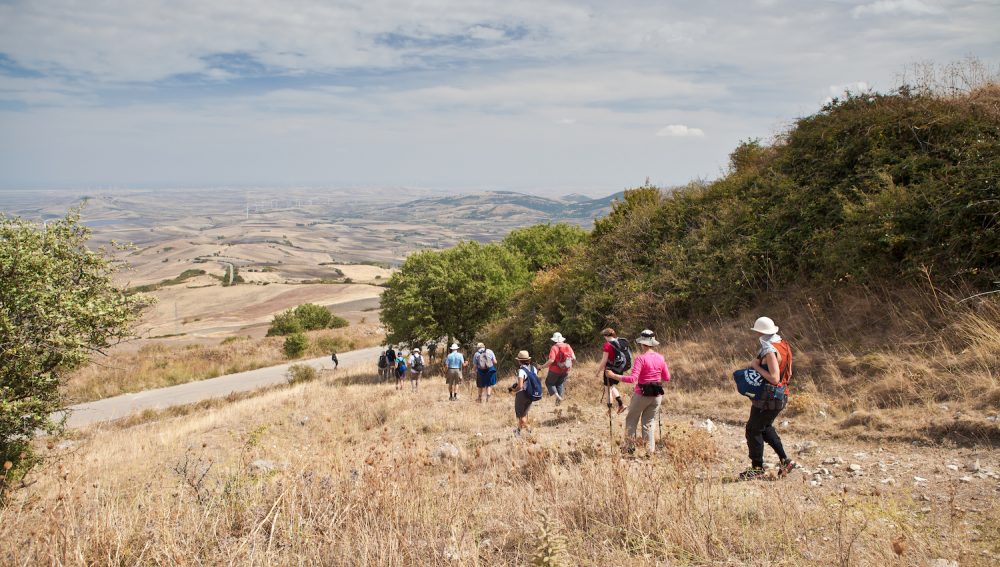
x,y
645,409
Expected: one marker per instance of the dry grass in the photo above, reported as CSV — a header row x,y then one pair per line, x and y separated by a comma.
x,y
363,475
156,365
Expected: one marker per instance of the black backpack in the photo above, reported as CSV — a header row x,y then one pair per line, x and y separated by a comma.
x,y
623,356
418,363
383,361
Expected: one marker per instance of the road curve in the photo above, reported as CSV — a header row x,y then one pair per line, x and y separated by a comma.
x,y
121,406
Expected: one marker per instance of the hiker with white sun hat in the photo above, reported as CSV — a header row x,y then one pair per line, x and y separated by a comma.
x,y
527,390
649,373
773,363
454,363
559,363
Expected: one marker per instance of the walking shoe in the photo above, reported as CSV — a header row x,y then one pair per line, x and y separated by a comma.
x,y
751,473
786,466
517,432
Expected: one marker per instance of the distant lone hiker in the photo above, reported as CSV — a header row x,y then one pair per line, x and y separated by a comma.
x,y
336,363
454,362
649,372
774,363
560,361
486,371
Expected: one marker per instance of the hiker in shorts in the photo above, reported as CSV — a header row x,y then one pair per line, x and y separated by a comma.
x,y
400,370
560,360
486,371
454,363
774,363
649,373
527,390
336,363
610,349
416,363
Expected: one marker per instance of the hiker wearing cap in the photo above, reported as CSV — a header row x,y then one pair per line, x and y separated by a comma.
x,y
649,372
560,360
527,390
616,357
454,364
416,362
774,363
486,371
400,369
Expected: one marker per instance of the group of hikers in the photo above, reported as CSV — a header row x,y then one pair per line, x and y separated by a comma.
x,y
765,381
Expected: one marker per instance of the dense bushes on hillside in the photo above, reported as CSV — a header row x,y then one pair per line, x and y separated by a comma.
x,y
305,317
872,187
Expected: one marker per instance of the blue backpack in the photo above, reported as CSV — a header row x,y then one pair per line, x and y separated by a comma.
x,y
748,382
532,385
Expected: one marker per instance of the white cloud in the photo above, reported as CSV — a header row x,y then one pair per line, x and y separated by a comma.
x,y
680,131
882,7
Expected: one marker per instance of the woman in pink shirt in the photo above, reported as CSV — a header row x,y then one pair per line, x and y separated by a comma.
x,y
649,372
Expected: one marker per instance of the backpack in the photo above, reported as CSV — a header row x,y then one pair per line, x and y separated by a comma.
x,y
383,362
483,360
563,359
532,385
623,356
400,365
418,363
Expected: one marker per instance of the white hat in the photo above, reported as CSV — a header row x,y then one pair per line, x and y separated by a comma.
x,y
416,349
647,338
558,338
764,325
480,345
454,346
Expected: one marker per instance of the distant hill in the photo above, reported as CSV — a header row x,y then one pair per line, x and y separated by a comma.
x,y
506,206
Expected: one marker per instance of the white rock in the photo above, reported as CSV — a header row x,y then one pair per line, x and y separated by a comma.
x,y
784,423
952,467
890,481
919,479
973,466
854,467
806,447
965,479
446,451
823,414
942,563
832,461
814,483
709,425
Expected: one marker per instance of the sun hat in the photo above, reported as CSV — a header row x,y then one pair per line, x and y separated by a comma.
x,y
647,338
454,346
764,325
416,349
523,355
558,338
480,345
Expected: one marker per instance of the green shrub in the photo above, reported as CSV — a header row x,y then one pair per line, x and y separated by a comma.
x,y
298,373
295,345
333,344
338,322
284,323
313,317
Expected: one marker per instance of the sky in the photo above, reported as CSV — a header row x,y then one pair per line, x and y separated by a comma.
x,y
541,96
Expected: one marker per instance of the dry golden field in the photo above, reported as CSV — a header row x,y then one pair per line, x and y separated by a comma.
x,y
346,471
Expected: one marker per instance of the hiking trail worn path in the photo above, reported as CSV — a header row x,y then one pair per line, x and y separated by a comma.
x,y
121,406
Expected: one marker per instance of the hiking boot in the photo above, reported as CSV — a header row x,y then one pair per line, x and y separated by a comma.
x,y
786,466
751,473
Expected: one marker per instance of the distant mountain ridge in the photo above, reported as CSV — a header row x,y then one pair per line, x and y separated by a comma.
x,y
505,205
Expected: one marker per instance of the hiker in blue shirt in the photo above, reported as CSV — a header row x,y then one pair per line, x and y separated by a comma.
x,y
454,363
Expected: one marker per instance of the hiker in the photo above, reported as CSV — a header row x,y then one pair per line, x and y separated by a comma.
x,y
649,372
560,360
383,366
527,391
774,363
616,358
416,363
454,362
486,371
400,370
336,362
390,357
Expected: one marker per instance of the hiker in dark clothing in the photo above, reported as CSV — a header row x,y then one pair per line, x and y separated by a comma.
x,y
774,363
336,363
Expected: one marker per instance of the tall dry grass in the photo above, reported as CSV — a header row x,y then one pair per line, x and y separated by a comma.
x,y
157,365
340,473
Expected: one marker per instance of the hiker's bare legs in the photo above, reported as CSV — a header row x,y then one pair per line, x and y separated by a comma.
x,y
522,422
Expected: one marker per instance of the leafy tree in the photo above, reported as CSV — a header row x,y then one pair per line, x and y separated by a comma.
x,y
545,245
284,323
451,293
295,345
58,306
313,317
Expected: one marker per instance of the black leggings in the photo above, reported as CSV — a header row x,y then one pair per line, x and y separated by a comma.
x,y
760,430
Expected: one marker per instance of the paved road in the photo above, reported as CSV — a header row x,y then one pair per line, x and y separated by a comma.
x,y
191,392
